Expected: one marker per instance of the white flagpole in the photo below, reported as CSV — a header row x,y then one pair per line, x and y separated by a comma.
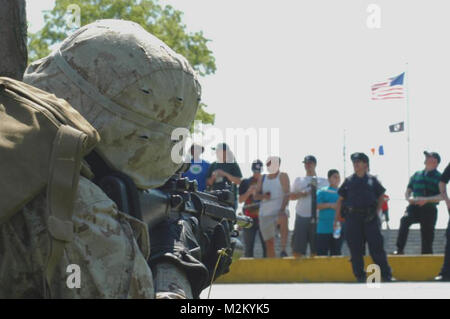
x,y
408,118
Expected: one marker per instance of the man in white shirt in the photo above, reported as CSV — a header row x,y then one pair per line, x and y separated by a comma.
x,y
273,191
301,191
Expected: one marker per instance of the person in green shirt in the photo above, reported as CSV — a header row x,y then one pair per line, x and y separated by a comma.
x,y
423,196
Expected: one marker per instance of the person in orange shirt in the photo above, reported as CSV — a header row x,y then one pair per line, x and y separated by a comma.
x,y
385,211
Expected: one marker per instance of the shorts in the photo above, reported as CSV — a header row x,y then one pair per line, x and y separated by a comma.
x,y
303,235
268,225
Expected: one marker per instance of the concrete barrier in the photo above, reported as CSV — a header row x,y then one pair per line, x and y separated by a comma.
x,y
326,269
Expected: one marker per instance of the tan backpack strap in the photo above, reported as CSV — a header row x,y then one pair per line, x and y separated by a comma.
x,y
62,186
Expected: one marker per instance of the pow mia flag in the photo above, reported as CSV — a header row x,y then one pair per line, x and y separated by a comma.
x,y
399,127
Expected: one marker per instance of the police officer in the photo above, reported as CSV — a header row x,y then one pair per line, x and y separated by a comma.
x,y
360,198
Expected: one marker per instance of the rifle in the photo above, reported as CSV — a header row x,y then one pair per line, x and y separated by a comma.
x,y
179,197
176,198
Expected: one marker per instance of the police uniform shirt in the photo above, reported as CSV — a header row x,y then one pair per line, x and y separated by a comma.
x,y
361,192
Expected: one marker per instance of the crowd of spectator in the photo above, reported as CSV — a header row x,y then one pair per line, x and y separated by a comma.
x,y
319,223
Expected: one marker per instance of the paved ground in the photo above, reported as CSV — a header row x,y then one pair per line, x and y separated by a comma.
x,y
398,290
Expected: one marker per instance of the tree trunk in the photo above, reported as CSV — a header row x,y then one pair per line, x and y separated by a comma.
x,y
13,38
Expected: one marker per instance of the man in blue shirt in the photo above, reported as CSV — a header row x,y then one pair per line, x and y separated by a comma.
x,y
327,198
199,168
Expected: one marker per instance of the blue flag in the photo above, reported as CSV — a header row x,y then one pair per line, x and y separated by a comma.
x,y
381,150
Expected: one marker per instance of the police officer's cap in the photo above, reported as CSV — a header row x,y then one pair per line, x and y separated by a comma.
x,y
360,157
434,155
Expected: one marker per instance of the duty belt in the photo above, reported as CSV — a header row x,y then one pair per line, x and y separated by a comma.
x,y
359,210
368,213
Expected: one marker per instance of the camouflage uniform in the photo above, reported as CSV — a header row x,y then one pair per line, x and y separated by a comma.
x,y
134,90
171,282
110,247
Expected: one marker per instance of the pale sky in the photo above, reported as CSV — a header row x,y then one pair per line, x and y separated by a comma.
x,y
306,68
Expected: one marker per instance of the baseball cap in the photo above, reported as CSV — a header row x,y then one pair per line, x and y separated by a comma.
x,y
310,158
359,157
433,154
257,166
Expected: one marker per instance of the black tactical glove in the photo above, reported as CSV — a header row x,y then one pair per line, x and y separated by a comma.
x,y
218,246
177,241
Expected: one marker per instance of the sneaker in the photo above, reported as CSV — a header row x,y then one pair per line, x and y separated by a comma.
x,y
442,278
398,252
283,254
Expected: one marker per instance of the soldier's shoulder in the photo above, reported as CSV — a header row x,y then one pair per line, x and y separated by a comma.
x,y
90,195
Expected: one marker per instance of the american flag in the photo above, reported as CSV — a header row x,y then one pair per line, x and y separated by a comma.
x,y
390,89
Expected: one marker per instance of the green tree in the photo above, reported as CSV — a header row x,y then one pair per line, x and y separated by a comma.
x,y
163,22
